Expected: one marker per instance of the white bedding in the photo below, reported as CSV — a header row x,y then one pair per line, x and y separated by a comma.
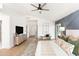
x,y
49,48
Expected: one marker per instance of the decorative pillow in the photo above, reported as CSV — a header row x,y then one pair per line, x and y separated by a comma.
x,y
67,47
73,38
59,41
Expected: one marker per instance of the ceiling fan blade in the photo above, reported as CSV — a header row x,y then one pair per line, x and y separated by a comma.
x,y
34,9
34,6
46,9
43,5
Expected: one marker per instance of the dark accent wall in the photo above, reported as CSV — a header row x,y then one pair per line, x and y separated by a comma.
x,y
71,21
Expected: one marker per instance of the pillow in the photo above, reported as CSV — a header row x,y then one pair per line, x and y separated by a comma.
x,y
59,41
67,47
73,38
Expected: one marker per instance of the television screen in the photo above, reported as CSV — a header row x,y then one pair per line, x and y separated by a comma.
x,y
19,29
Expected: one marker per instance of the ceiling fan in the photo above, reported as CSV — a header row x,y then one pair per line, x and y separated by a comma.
x,y
39,7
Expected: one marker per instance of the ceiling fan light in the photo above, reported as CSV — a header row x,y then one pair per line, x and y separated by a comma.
x,y
39,10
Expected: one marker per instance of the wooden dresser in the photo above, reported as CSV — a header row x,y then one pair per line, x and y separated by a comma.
x,y
19,39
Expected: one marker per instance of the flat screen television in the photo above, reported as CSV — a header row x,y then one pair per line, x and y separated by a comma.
x,y
19,29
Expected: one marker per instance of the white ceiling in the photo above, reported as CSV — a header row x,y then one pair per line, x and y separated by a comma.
x,y
56,10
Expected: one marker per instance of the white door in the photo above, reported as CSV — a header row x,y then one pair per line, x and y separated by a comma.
x,y
33,28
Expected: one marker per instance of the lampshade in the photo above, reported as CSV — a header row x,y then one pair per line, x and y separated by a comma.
x,y
62,29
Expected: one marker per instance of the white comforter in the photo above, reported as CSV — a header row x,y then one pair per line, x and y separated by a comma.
x,y
49,48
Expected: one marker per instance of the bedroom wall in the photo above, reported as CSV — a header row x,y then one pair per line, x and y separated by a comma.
x,y
71,21
16,20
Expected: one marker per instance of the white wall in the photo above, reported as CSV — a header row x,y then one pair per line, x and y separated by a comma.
x,y
52,29
16,20
5,30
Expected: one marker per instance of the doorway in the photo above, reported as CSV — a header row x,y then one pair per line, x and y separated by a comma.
x,y
33,28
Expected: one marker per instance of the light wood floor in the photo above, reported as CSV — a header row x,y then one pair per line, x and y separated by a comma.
x,y
18,50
